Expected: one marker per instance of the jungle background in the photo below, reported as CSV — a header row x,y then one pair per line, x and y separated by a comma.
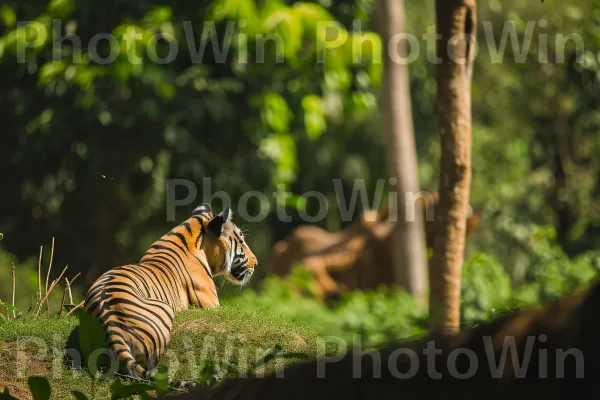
x,y
87,148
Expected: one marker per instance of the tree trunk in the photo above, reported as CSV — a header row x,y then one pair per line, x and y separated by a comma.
x,y
456,22
410,258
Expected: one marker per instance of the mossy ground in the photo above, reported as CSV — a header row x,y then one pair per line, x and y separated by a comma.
x,y
223,336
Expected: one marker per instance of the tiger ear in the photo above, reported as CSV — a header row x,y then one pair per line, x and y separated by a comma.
x,y
215,226
202,208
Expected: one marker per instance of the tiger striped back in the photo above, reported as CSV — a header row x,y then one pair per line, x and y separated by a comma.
x,y
136,303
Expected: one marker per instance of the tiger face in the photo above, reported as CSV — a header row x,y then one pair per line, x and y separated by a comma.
x,y
226,250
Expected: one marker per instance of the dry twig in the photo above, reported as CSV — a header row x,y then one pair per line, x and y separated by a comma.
x,y
48,278
62,302
73,280
67,292
40,274
14,286
54,283
75,308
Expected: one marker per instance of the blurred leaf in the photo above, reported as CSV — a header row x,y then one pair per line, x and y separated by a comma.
x,y
276,113
79,396
49,71
5,395
165,90
209,373
485,286
314,116
282,150
161,379
311,13
39,387
158,15
8,16
61,8
283,22
235,10
120,390
91,339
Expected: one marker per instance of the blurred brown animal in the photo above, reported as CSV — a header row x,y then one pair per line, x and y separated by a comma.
x,y
356,258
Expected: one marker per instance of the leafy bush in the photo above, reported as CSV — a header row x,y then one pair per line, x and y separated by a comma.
x,y
485,287
551,273
373,317
366,318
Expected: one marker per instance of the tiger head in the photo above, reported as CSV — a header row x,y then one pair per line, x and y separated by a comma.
x,y
225,247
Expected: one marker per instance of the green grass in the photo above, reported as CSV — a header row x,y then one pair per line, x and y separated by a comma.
x,y
238,338
226,336
34,347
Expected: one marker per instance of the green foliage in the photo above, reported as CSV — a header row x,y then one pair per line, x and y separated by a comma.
x,y
120,390
374,317
6,311
267,103
40,388
300,112
209,373
5,395
485,286
91,340
161,379
89,147
26,284
79,396
552,273
371,318
207,346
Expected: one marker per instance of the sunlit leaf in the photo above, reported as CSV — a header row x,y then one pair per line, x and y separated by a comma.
x,y
276,113
311,12
159,15
49,71
284,22
61,8
237,11
281,148
365,47
314,116
8,16
161,379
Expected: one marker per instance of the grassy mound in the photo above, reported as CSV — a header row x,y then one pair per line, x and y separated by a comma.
x,y
226,341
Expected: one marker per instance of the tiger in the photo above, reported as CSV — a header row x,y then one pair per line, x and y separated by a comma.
x,y
136,303
548,351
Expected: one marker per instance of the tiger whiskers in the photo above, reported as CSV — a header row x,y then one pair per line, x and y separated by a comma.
x,y
245,230
246,275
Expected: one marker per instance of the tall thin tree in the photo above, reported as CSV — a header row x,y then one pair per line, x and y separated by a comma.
x,y
456,22
410,258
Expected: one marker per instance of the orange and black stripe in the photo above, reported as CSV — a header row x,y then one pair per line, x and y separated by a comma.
x,y
136,303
